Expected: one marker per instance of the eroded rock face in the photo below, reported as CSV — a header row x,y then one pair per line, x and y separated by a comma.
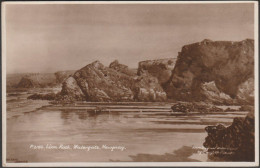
x,y
147,88
117,83
211,93
71,90
227,64
245,93
122,68
161,68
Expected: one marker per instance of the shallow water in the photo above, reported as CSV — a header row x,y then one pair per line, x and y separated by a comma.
x,y
138,133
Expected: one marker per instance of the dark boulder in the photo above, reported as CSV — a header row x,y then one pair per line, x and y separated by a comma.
x,y
195,107
232,143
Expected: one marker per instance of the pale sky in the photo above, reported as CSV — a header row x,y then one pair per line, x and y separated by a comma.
x,y
49,38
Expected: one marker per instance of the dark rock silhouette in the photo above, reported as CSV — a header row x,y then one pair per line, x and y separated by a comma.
x,y
227,64
195,107
232,143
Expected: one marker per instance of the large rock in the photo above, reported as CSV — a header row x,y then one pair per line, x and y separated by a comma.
x,y
227,64
71,91
233,143
161,68
99,83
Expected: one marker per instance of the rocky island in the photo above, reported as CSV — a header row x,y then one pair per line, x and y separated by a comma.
x,y
219,72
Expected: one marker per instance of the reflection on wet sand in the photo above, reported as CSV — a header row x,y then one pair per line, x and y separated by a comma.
x,y
147,135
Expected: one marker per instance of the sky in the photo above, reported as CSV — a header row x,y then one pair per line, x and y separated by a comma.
x,y
52,37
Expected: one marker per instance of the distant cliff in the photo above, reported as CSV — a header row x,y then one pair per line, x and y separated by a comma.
x,y
208,70
34,80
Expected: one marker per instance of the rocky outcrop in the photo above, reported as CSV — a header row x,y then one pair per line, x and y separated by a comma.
x,y
227,64
70,91
27,83
115,83
161,69
195,107
235,142
245,93
147,88
122,68
211,93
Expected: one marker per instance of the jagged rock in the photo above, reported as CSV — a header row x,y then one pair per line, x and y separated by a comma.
x,y
161,69
195,107
227,64
147,88
235,142
122,68
211,93
70,91
100,83
245,93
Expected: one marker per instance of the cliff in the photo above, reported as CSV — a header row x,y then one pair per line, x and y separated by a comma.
x,y
227,66
161,68
95,82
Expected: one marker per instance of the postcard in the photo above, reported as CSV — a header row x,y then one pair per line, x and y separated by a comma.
x,y
130,83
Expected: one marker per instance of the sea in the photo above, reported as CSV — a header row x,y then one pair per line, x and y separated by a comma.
x,y
40,131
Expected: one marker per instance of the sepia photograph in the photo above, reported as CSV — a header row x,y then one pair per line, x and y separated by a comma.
x,y
130,83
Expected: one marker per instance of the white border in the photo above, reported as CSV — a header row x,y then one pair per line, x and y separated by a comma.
x,y
130,164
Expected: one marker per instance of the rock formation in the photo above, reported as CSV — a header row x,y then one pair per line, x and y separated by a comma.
x,y
161,68
233,143
27,83
195,107
122,68
227,64
117,83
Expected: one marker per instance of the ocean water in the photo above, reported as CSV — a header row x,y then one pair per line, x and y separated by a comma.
x,y
38,131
